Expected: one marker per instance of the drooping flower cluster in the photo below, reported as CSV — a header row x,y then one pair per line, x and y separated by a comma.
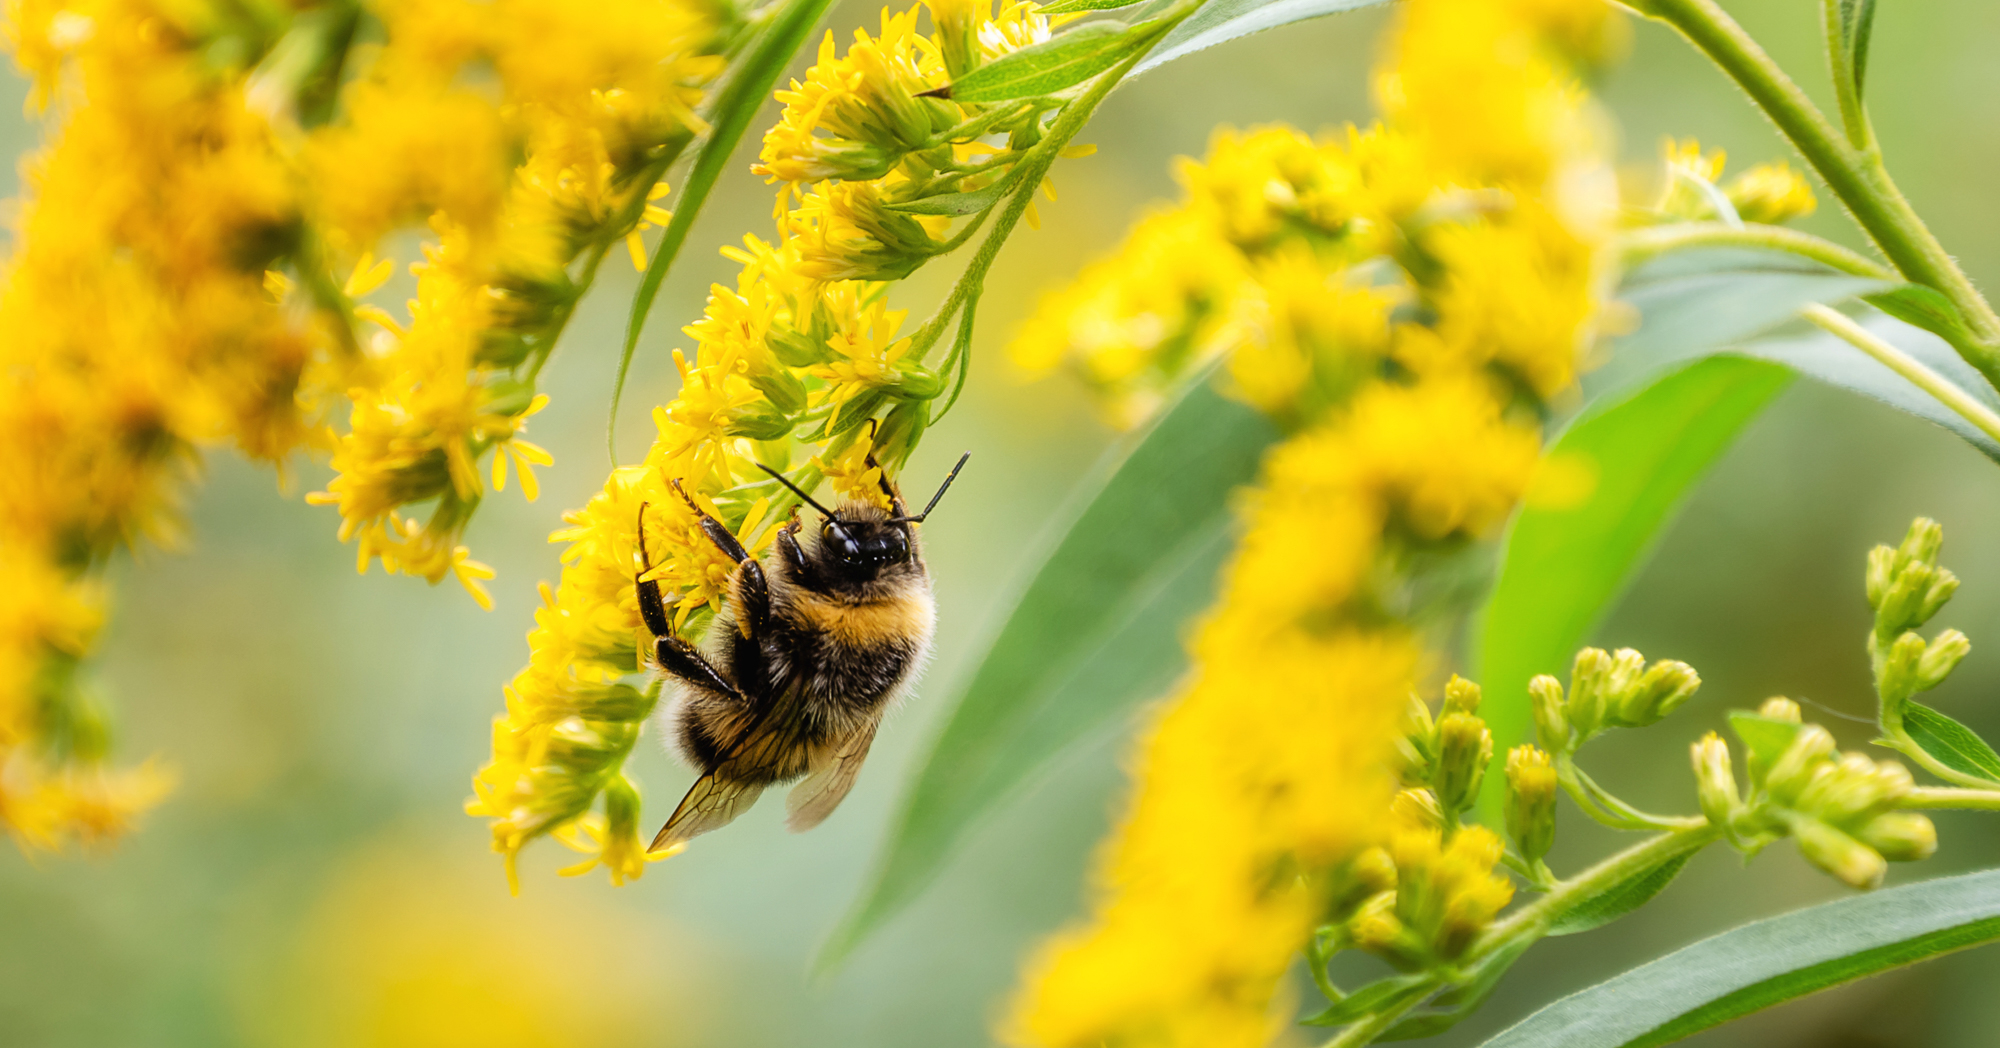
x,y
802,367
180,280
596,101
1402,300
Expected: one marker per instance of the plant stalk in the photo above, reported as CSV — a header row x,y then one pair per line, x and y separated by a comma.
x,y
1857,177
1944,390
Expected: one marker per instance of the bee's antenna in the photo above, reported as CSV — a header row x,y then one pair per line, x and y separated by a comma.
x,y
800,492
949,477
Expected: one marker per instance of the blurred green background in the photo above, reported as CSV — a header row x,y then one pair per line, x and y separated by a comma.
x,y
312,882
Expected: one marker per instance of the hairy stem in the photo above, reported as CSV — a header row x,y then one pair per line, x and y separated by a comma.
x,y
1856,176
1533,920
1952,797
1365,1029
1643,245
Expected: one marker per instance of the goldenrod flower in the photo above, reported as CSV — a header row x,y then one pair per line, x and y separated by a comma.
x,y
1482,203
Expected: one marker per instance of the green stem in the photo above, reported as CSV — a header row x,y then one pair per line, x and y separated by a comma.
x,y
1940,388
1533,920
1950,797
1853,117
1645,244
734,109
1373,1025
1034,166
1599,804
1856,176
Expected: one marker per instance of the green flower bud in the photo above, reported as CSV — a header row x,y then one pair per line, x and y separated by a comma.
x,y
1903,605
1900,836
1777,707
796,349
1551,722
1854,863
1587,679
1844,790
1461,695
1881,574
1376,929
1922,542
1940,658
1660,691
1465,748
1531,801
918,383
1793,769
1943,585
783,389
758,422
1899,667
1715,780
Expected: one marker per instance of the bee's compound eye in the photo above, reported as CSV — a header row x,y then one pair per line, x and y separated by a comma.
x,y
841,542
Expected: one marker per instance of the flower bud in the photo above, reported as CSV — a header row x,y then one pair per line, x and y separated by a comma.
x,y
1843,790
1903,604
1465,748
1531,801
1376,929
1899,667
783,388
1854,863
1417,808
1940,658
1900,836
1881,574
758,422
1587,678
1943,585
1779,708
1461,695
1551,722
1660,691
1418,745
1922,542
1715,780
1770,193
1792,770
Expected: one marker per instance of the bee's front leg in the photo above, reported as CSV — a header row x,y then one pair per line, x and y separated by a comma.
x,y
751,594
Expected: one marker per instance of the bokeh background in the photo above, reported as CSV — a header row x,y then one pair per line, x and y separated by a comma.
x,y
313,882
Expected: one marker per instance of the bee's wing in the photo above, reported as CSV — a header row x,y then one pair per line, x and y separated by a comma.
x,y
812,800
718,797
711,803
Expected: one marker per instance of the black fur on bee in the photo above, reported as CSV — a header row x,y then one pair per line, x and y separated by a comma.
x,y
812,647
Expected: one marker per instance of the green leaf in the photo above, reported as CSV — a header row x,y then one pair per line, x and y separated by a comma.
x,y
1382,993
1094,633
1767,963
1562,568
1621,898
735,107
1456,1004
1953,744
1857,23
1700,302
1220,21
1766,738
1054,65
955,204
1063,7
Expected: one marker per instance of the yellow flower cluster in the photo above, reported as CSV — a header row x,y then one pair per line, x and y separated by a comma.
x,y
134,327
596,100
802,363
1402,300
1693,189
173,286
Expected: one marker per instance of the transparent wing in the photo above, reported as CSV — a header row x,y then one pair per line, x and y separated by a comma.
x,y
711,803
813,799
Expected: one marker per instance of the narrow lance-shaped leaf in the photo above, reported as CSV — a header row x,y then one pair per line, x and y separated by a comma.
x,y
734,109
1767,963
1220,21
1621,898
1953,744
1063,7
1053,65
1095,633
1564,566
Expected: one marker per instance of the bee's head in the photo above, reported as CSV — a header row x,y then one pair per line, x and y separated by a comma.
x,y
861,543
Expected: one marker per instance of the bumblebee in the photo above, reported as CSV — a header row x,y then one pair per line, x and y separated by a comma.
x,y
811,648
